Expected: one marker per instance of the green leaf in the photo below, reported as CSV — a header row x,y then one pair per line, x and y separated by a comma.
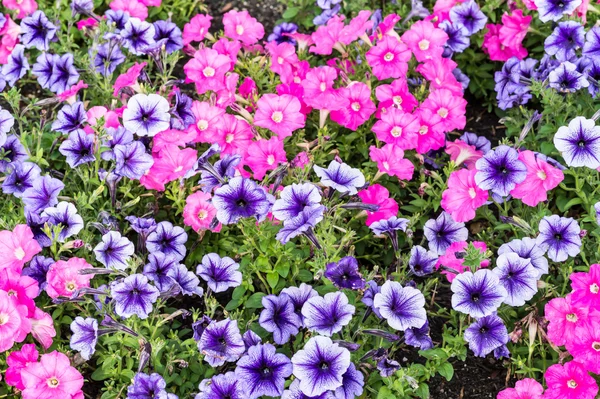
x,y
423,391
291,12
272,279
255,300
100,374
305,276
446,370
283,269
385,393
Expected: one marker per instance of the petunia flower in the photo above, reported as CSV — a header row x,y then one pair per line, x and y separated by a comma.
x,y
133,295
541,178
462,197
42,194
378,195
500,170
264,371
146,115
579,143
221,342
401,307
422,262
345,274
52,376
279,318
527,248
389,58
37,31
398,128
469,15
220,273
114,251
327,315
167,239
207,70
486,335
85,336
65,216
554,10
239,25
16,66
527,388
444,231
264,155
390,160
64,278
78,148
559,236
340,177
569,381
425,40
197,29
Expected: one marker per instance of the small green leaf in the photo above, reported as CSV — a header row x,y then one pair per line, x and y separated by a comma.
x,y
255,301
446,370
423,391
291,12
272,279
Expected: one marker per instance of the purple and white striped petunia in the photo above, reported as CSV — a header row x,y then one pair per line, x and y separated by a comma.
x,y
114,251
518,277
132,160
329,314
477,295
219,273
221,342
221,386
579,143
500,170
78,148
401,307
263,371
340,177
344,274
240,198
486,335
559,237
443,232
168,239
278,317
85,336
65,216
146,115
133,295
527,248
293,199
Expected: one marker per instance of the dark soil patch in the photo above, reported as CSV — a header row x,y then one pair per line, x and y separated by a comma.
x,y
267,12
482,122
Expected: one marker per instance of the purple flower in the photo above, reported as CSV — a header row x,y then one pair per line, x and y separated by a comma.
x,y
387,367
118,18
108,56
158,267
7,121
199,326
14,152
181,113
84,7
579,143
422,262
390,228
344,274
146,386
566,79
329,314
64,215
527,248
222,386
37,270
477,295
419,337
70,118
458,38
134,296
293,199
219,273
559,236
553,10
168,239
166,30
21,176
85,336
469,15
137,35
186,280
593,76
508,79
567,37
37,224
500,170
64,74
444,231
263,371
116,136
518,277
43,68
591,47
37,31
2,21
486,335
221,342
340,177
369,294
294,392
278,317
402,307
302,224
16,66
320,366
224,168
42,194
353,382
78,148
240,198
250,339
132,160
146,115
299,296
114,251
281,31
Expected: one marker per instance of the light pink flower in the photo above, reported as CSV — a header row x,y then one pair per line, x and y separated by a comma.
x,y
541,178
233,135
42,328
586,288
298,73
360,106
25,7
173,137
279,114
430,136
129,78
318,89
585,345
565,317
17,247
378,195
17,361
283,57
207,70
264,155
328,37
207,117
199,212
394,95
389,58
134,8
197,29
498,51
14,324
239,25
449,107
425,40
172,162
226,94
296,90
303,41
390,160
301,160
152,3
463,153
228,48
357,27
438,72
463,196
64,279
514,28
399,128
52,377
527,388
569,381
454,264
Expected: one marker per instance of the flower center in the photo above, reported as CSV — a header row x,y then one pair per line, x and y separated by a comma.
x,y
397,100
388,57
594,288
423,130
229,138
19,253
11,293
202,124
70,286
239,30
541,175
396,131
209,72
277,116
572,384
443,112
572,317
424,44
472,193
323,86
52,382
202,214
3,319
280,60
270,159
596,346
386,165
355,106
178,169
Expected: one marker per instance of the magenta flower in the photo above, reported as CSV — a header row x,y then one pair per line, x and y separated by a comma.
x,y
527,388
52,377
197,29
239,25
425,40
17,361
15,323
264,155
395,95
233,135
207,70
463,196
376,194
389,58
397,127
541,178
359,109
449,107
17,247
569,381
207,117
390,160
279,114
318,89
566,317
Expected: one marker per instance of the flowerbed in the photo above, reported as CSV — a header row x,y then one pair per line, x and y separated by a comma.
x,y
240,214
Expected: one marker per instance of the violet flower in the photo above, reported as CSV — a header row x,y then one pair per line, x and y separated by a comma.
x,y
553,10
132,161
37,31
278,317
78,148
329,314
422,262
281,33
64,74
14,152
137,35
134,296
293,199
168,239
559,236
419,337
85,336
402,307
469,15
157,269
146,115
444,231
20,177
166,30
340,177
219,273
566,79
186,280
114,251
303,223
477,295
65,216
566,38
221,342
486,334
518,277
299,296
107,58
240,198
527,248
16,67
221,386
353,382
579,143
146,386
263,371
344,274
500,170
42,194
70,118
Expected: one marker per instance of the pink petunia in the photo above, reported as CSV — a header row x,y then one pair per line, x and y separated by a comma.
x,y
87,23
585,345
328,37
438,72
239,25
151,3
197,29
134,8
199,212
129,78
463,153
541,178
357,28
425,40
394,95
514,28
318,89
397,127
64,279
248,88
264,155
389,58
22,290
390,160
207,70
496,49
42,328
453,263
376,194
283,57
173,137
233,135
173,163
463,196
429,136
586,288
449,107
527,388
228,48
564,318
14,323
569,381
207,117
441,9
360,106
10,38
279,114
51,377
301,160
25,7
387,27
17,361
17,247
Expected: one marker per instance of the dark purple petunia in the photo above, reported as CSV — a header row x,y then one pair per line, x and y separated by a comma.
x,y
353,382
579,143
302,224
281,33
20,177
566,79
158,267
240,198
344,274
85,336
225,168
146,115
293,199
444,231
263,371
78,148
38,269
278,317
42,194
169,31
527,248
115,136
37,224
199,326
222,386
592,74
402,307
486,335
387,367
186,280
390,228
43,68
559,237
65,216
508,79
329,314
369,294
500,170
114,251
340,177
422,262
250,339
221,342
132,160
37,31
137,35
501,352
299,296
518,277
566,38
469,15
118,18
13,152
146,386
320,366
168,239
419,337
591,47
181,113
477,295
64,73
16,67
219,273
480,142
133,296
107,57
70,118
142,226
458,38
553,10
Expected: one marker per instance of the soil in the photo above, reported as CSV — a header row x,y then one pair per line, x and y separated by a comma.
x,y
266,12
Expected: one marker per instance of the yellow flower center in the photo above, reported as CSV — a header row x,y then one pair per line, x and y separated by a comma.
x,y
11,293
388,57
572,317
596,346
356,106
202,214
424,44
423,130
277,116
594,288
396,131
397,100
202,124
542,175
572,384
209,72
443,112
70,286
19,253
239,30
53,382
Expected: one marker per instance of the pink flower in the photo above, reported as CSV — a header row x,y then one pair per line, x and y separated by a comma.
x,y
64,279
449,107
461,152
226,94
229,49
173,163
397,127
197,29
14,324
390,160
22,290
199,212
441,9
173,137
52,377
585,345
438,72
87,23
279,114
357,27
25,7
395,95
233,135
586,287
569,381
17,361
527,388
129,78
425,40
70,94
514,28
386,27
10,37
207,117
152,3
207,70
134,8
360,106
248,88
303,41
328,37
498,51
429,136
283,57
296,90
241,26
42,328
378,195
453,264
301,160
389,58
463,196
17,247
541,178
564,319
318,89
264,155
